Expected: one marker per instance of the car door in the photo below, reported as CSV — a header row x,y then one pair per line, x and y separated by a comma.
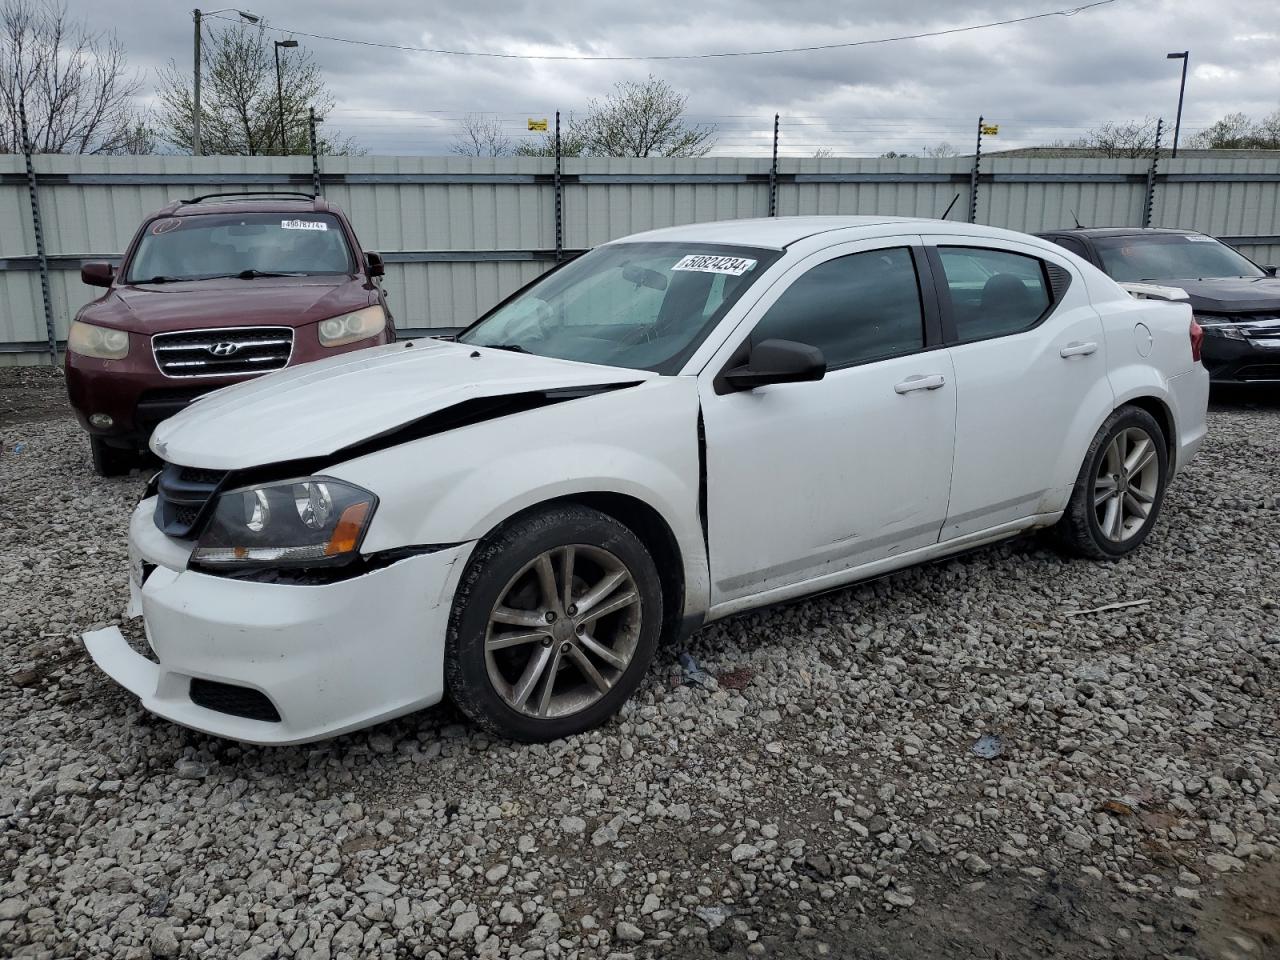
x,y
1030,375
809,479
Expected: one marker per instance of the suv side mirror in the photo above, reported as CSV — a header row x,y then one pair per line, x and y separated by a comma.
x,y
1269,270
778,361
97,273
373,264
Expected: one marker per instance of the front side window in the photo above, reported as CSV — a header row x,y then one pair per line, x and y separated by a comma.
x,y
865,306
1176,256
993,292
209,245
644,306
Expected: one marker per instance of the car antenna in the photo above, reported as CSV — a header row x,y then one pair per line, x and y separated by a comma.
x,y
949,206
1075,218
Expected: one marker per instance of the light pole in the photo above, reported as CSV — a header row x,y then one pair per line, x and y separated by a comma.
x,y
197,16
1185,57
284,141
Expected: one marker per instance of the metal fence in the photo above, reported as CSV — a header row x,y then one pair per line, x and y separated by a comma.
x,y
458,234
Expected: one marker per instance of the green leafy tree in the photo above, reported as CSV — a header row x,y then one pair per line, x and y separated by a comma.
x,y
239,109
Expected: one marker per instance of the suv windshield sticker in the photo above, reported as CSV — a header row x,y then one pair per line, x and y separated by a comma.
x,y
164,226
707,263
304,225
1196,239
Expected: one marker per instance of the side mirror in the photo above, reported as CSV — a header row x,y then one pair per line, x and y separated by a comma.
x,y
97,273
778,361
1269,270
373,264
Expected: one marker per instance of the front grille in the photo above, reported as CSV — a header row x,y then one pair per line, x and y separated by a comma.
x,y
237,701
184,494
227,352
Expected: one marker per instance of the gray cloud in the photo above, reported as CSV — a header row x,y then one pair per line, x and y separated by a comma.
x,y
1043,80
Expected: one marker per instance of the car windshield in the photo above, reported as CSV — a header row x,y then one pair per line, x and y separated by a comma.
x,y
644,306
210,245
1171,257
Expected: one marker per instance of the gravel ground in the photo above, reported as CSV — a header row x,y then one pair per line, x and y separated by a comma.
x,y
822,797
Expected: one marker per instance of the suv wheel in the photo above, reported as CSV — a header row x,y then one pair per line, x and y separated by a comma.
x,y
554,624
109,461
1120,488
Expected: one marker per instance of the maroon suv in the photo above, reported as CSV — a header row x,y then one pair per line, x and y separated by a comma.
x,y
210,292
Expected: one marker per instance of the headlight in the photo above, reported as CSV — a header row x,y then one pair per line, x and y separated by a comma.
x,y
360,325
314,521
1219,327
100,342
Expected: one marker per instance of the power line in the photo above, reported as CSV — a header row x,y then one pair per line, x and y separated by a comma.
x,y
1067,12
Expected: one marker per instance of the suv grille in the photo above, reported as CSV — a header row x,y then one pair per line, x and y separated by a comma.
x,y
222,353
184,493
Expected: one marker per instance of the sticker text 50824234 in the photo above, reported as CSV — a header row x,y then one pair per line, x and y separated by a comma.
x,y
709,263
304,225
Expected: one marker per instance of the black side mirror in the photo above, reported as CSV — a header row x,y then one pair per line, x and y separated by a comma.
x,y
1269,270
97,273
373,264
778,361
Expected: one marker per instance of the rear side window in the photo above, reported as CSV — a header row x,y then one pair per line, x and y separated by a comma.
x,y
993,292
862,307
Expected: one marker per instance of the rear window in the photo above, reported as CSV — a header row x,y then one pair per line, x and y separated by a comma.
x,y
205,246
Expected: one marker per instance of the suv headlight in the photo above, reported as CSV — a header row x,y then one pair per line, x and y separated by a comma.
x,y
1219,327
314,521
102,343
351,327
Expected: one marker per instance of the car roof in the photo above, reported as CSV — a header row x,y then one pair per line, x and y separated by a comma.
x,y
1122,232
781,232
263,203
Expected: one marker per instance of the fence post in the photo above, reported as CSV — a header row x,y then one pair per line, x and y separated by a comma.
x,y
773,172
315,153
973,176
559,198
38,227
1149,202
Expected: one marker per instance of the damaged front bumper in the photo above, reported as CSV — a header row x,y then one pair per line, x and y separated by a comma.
x,y
277,663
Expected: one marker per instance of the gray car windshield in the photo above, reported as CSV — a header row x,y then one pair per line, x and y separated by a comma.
x,y
211,245
1171,257
644,306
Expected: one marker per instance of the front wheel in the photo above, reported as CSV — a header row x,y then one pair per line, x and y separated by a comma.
x,y
1120,487
554,624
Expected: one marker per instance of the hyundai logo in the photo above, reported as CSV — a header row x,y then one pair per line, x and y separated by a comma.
x,y
224,348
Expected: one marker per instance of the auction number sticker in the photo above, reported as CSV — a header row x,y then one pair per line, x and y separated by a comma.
x,y
709,263
1196,238
304,225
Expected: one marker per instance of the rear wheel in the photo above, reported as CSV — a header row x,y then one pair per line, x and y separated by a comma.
x,y
554,624
1120,488
109,461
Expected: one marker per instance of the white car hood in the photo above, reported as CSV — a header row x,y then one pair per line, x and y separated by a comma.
x,y
318,408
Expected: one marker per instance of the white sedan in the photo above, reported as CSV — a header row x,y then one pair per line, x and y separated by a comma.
x,y
675,427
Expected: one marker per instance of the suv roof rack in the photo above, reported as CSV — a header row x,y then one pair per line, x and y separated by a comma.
x,y
253,194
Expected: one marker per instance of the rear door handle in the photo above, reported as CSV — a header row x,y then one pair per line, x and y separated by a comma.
x,y
1078,348
920,382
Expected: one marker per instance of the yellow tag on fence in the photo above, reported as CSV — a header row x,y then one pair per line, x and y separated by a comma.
x,y
538,124
990,130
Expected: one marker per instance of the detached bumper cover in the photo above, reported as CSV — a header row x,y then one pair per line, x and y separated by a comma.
x,y
329,658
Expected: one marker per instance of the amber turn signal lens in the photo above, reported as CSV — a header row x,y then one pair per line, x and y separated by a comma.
x,y
347,534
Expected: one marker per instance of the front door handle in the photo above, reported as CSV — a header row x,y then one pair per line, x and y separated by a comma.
x,y
920,382
1078,348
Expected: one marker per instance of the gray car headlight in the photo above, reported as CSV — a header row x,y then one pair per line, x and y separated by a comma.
x,y
313,521
1216,327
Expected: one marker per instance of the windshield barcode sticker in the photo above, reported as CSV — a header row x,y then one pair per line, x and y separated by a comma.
x,y
707,263
1195,238
304,225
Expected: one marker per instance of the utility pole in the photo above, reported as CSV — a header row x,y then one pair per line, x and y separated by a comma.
x,y
1185,57
197,16
284,139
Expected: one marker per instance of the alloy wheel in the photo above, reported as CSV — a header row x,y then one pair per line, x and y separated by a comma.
x,y
1125,487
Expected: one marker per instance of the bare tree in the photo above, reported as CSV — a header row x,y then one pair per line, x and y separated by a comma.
x,y
941,152
1129,139
1241,132
239,110
822,153
74,85
573,142
481,136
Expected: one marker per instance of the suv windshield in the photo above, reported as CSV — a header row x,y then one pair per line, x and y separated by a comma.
x,y
1171,257
210,245
644,306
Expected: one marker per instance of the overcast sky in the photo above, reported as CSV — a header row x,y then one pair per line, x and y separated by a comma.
x,y
1040,81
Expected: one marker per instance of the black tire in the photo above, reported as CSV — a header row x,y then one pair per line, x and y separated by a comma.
x,y
1080,530
495,566
109,461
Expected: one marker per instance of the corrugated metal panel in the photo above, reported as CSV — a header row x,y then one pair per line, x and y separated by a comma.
x,y
398,205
